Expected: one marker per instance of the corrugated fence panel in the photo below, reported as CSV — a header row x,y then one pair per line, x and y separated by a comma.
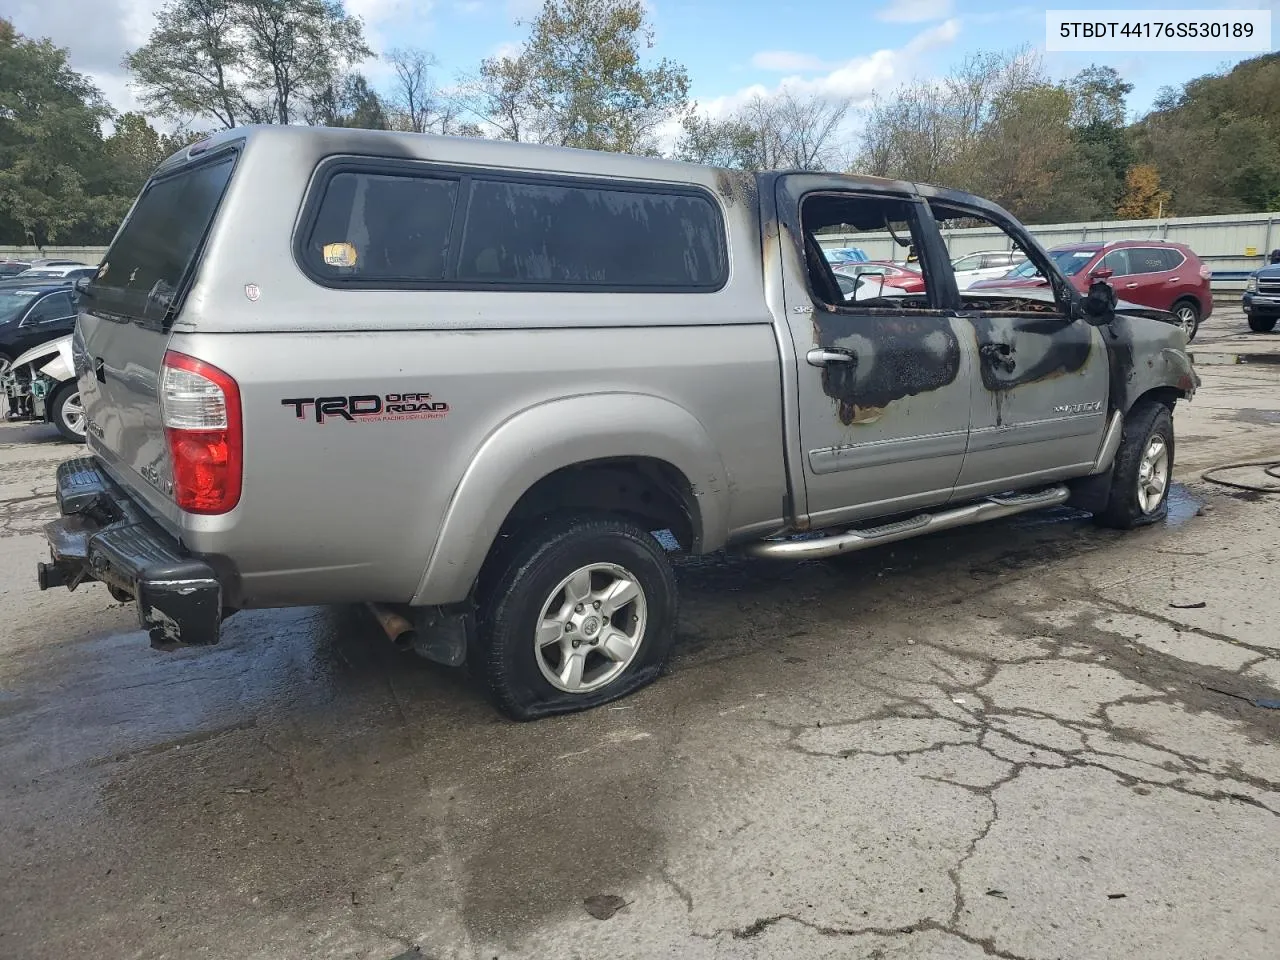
x,y
89,255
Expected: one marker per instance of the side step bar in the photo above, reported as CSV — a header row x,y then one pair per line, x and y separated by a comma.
x,y
992,508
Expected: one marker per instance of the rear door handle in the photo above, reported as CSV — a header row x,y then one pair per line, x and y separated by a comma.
x,y
1130,286
818,357
1174,279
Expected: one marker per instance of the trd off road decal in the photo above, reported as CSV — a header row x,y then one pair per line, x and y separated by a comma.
x,y
369,407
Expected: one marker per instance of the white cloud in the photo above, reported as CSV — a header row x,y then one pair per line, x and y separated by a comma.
x,y
914,11
855,80
788,61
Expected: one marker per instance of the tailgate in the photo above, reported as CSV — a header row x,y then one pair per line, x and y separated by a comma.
x,y
126,315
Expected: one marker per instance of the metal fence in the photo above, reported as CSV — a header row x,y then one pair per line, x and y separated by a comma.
x,y
90,255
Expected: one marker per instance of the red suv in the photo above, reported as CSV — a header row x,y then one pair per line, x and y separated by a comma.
x,y
1154,273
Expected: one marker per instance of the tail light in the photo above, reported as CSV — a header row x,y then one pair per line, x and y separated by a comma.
x,y
1205,272
200,406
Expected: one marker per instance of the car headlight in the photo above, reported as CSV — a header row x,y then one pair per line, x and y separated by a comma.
x,y
1251,285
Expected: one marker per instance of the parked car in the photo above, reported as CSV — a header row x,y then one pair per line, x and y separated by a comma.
x,y
1261,300
891,274
40,385
479,385
9,268
68,273
984,265
1155,273
32,314
845,255
56,262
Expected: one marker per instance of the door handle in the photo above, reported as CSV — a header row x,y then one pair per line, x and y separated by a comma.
x,y
999,355
1130,286
1174,279
818,357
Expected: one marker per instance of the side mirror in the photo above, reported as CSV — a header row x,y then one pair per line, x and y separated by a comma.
x,y
1100,303
1102,273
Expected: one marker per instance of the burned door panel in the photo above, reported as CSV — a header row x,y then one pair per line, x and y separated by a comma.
x,y
1039,401
883,391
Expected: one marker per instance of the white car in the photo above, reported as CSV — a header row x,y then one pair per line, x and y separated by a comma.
x,y
985,265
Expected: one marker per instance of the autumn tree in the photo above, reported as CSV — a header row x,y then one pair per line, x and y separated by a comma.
x,y
1143,199
246,61
581,80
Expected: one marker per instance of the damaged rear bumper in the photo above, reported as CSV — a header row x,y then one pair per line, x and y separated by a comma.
x,y
105,536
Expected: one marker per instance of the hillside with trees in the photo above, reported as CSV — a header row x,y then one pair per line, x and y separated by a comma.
x,y
586,76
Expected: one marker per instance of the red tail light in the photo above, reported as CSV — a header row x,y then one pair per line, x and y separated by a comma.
x,y
1205,272
200,406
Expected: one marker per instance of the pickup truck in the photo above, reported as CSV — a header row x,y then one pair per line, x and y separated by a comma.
x,y
489,389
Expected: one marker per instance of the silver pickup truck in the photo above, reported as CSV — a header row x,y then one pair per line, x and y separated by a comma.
x,y
489,389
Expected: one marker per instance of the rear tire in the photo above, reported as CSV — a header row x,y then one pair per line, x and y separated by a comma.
x,y
67,413
1143,469
1260,324
549,642
1188,314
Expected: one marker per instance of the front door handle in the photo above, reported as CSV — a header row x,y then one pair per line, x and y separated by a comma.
x,y
999,355
1131,286
818,357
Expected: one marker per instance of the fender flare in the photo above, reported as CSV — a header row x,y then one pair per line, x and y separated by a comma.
x,y
545,438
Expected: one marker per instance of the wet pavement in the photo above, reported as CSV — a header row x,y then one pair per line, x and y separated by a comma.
x,y
1031,739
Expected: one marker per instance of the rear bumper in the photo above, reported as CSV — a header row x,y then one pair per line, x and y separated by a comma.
x,y
103,535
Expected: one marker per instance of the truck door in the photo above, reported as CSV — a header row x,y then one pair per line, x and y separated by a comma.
x,y
882,382
1040,389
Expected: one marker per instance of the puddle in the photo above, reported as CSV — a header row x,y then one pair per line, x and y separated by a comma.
x,y
1260,417
1183,505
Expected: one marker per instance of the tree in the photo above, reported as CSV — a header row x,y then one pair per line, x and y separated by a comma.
x,y
1143,199
1216,140
784,131
193,63
349,102
1099,94
245,61
51,147
579,80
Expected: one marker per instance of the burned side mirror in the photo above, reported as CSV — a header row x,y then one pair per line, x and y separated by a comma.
x,y
1100,304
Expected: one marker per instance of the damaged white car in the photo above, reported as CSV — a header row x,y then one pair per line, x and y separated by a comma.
x,y
41,385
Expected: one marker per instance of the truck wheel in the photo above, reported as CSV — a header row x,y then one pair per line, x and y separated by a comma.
x,y
1188,315
1260,324
1143,469
67,413
579,612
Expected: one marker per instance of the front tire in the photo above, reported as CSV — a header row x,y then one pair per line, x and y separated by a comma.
x,y
1188,314
1261,324
1143,469
67,413
580,611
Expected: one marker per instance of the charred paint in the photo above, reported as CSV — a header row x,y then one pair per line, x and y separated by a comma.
x,y
894,357
737,186
1131,335
1038,348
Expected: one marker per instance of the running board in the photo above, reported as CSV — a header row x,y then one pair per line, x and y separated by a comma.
x,y
992,508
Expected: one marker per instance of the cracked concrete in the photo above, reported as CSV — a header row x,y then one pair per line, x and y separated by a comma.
x,y
1001,742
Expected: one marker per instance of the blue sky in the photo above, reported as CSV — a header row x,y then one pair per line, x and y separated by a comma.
x,y
732,48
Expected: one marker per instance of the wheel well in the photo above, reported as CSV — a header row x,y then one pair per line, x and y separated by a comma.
x,y
1192,299
652,492
1166,395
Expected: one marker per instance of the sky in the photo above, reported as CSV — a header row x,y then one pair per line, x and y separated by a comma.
x,y
732,48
